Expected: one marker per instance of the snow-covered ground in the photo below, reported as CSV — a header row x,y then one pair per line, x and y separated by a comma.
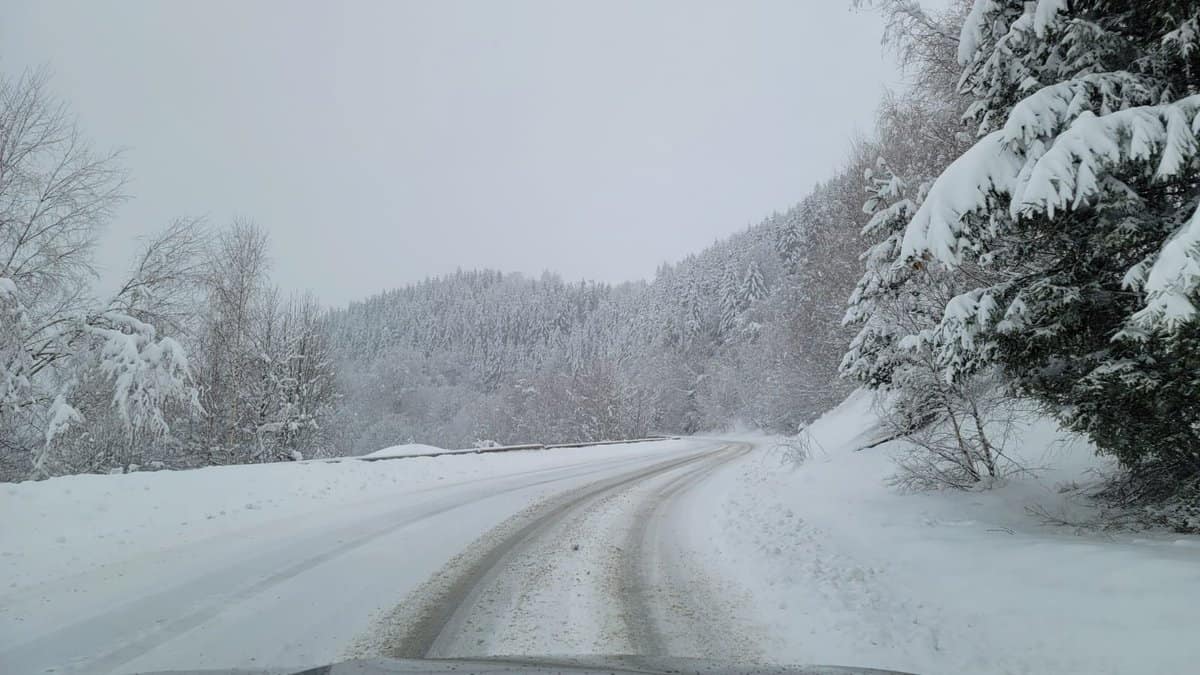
x,y
269,565
758,559
592,571
837,567
414,450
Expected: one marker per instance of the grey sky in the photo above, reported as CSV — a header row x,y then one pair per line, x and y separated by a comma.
x,y
383,142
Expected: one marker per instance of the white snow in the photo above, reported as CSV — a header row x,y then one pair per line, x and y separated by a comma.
x,y
966,186
1055,154
605,577
1174,275
269,565
62,415
817,562
412,450
972,30
1046,15
840,568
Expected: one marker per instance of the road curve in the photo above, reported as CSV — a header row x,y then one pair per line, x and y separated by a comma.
x,y
259,595
668,604
524,589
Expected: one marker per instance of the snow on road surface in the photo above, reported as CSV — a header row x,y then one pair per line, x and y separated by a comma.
x,y
702,547
587,572
270,565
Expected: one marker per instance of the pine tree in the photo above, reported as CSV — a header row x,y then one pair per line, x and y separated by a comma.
x,y
873,354
731,301
754,288
789,240
1079,202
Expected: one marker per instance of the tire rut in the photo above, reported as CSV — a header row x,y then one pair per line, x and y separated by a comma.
x,y
434,617
425,625
125,639
644,595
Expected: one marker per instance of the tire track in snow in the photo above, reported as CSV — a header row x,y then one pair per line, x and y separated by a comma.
x,y
432,621
665,612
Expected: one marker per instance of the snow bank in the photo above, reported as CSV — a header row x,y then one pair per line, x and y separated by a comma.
x,y
842,569
412,450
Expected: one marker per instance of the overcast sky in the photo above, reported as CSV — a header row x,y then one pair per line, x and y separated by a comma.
x,y
383,142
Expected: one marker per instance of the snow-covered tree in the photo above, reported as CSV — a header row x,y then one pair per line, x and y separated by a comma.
x,y
298,381
879,305
56,193
732,303
897,309
1079,200
754,287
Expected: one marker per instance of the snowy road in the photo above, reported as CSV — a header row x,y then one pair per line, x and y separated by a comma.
x,y
588,571
568,554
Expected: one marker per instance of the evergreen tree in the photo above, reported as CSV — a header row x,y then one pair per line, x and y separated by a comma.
x,y
732,302
754,288
1079,202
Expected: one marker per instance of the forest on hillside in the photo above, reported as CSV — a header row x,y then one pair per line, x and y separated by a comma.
x,y
1019,229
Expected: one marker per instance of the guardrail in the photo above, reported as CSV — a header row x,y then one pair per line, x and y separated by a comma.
x,y
515,448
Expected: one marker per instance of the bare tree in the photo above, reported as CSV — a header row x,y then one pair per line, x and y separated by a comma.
x,y
926,43
309,392
235,278
163,287
56,193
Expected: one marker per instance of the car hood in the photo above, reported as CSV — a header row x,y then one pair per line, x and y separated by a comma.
x,y
604,665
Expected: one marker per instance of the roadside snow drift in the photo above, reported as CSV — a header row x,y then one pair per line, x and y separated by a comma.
x,y
413,450
842,569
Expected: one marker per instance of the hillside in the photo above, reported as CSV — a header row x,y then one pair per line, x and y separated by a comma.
x,y
746,331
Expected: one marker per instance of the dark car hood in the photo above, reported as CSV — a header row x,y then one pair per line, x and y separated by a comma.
x,y
602,665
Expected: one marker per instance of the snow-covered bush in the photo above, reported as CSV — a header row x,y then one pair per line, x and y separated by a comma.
x,y
56,340
962,439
